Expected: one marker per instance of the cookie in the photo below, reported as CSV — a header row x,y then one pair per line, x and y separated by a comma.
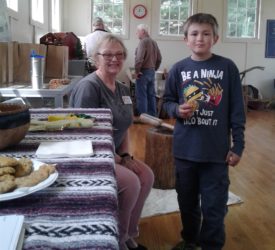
x,y
6,177
7,162
194,105
23,168
36,176
7,186
7,170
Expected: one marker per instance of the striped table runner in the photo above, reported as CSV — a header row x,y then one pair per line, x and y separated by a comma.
x,y
79,210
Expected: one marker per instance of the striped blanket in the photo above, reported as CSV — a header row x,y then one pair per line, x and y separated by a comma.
x,y
79,210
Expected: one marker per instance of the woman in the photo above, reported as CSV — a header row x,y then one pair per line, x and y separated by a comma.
x,y
101,90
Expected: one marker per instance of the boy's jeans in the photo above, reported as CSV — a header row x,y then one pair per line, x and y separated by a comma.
x,y
202,195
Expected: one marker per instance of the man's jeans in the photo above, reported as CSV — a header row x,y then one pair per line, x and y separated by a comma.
x,y
145,92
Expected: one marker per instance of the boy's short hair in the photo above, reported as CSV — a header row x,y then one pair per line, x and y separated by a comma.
x,y
201,18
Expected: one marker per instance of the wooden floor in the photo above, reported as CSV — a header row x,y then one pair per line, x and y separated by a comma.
x,y
249,226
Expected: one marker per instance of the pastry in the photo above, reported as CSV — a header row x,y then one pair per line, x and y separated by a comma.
x,y
7,161
6,177
36,176
24,167
7,170
7,186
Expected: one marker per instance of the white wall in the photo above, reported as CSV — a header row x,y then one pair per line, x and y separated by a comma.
x,y
77,19
22,30
77,16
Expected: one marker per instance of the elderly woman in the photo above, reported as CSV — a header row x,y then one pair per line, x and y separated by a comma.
x,y
101,90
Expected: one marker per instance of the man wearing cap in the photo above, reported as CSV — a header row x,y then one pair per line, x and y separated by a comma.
x,y
92,39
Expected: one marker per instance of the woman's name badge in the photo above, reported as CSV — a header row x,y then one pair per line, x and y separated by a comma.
x,y
126,100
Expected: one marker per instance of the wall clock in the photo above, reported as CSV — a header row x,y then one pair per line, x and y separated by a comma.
x,y
139,11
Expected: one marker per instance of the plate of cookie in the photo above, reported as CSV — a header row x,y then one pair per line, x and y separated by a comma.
x,y
23,176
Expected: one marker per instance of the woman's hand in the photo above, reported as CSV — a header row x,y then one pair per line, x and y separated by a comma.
x,y
232,159
130,163
185,110
117,158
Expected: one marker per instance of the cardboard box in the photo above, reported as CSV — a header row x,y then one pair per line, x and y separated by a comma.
x,y
3,63
15,61
57,60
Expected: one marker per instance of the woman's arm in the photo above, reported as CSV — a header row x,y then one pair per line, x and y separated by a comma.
x,y
124,147
123,157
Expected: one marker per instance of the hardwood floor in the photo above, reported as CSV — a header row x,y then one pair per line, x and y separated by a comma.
x,y
250,225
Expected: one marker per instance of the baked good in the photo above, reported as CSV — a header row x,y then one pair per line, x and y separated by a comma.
x,y
6,177
7,186
7,161
7,170
194,104
24,167
36,176
56,83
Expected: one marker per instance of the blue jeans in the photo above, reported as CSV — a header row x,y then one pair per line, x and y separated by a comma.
x,y
202,190
145,92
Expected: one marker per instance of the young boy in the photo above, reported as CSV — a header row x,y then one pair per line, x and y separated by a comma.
x,y
204,93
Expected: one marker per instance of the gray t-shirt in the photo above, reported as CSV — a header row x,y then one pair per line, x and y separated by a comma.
x,y
91,92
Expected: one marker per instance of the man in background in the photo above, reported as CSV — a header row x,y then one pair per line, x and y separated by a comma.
x,y
147,61
92,39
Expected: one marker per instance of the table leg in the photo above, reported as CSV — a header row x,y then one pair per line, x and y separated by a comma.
x,y
58,101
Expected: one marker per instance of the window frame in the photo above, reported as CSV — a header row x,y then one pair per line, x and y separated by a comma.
x,y
35,22
51,16
11,12
242,39
125,20
156,4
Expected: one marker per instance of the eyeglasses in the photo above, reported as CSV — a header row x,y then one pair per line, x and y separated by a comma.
x,y
109,57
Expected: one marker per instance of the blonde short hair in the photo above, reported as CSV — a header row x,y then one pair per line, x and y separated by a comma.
x,y
110,38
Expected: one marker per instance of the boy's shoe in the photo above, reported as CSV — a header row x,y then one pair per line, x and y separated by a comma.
x,y
184,246
139,247
133,245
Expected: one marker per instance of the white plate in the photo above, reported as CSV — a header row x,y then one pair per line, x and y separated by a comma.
x,y
20,192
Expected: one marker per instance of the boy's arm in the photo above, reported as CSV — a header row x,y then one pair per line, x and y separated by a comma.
x,y
232,159
237,113
171,97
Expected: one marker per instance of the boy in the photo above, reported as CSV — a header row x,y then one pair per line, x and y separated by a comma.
x,y
204,93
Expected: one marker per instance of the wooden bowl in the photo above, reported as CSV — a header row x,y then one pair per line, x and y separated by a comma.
x,y
14,123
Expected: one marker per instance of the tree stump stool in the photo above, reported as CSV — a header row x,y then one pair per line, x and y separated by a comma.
x,y
158,156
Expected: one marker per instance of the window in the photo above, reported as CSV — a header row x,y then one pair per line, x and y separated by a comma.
x,y
37,11
115,14
55,15
242,19
173,14
13,5
12,8
170,16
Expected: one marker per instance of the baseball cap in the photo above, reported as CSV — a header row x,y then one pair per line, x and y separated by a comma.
x,y
98,21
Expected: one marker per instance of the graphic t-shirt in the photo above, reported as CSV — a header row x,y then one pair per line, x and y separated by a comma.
x,y
214,89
